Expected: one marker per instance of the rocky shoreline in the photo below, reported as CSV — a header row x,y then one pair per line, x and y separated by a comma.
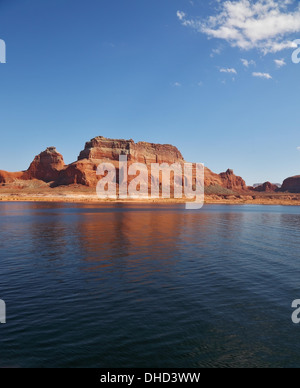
x,y
88,196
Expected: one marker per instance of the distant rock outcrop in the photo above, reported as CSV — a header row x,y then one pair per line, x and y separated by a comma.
x,y
227,180
267,187
291,185
232,182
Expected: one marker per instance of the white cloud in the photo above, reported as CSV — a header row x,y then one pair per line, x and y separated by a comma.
x,y
262,75
279,62
216,51
200,84
176,84
298,148
266,25
181,15
225,70
247,63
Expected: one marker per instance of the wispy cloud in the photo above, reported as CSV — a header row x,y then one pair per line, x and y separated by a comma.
x,y
262,75
227,70
176,84
266,25
298,148
181,15
247,63
280,62
216,51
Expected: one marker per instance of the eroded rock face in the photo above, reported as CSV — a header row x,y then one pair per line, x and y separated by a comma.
x,y
231,181
9,177
101,148
227,180
82,172
292,184
49,165
266,187
46,166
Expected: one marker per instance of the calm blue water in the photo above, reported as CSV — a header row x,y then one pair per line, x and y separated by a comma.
x,y
142,286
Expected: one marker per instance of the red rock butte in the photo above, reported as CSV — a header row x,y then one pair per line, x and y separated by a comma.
x,y
291,185
49,166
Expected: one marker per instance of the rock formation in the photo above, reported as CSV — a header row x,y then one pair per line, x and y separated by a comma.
x,y
45,167
225,180
266,187
101,149
231,181
9,177
291,185
49,165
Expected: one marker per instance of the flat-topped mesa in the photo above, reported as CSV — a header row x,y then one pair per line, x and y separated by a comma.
x,y
101,148
46,166
49,165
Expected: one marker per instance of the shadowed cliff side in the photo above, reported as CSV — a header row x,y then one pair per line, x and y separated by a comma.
x,y
291,185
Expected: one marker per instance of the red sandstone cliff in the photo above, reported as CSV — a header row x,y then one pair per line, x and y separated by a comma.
x,y
49,165
9,177
227,180
292,184
231,181
101,149
45,167
266,187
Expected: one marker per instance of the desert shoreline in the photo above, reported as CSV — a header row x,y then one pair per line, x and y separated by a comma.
x,y
88,199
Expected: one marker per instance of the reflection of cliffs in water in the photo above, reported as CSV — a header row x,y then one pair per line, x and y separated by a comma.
x,y
133,241
137,242
145,286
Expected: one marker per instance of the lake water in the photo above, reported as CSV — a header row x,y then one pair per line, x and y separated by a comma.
x,y
149,286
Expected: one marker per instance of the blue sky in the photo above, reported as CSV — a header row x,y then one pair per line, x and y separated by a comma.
x,y
158,71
